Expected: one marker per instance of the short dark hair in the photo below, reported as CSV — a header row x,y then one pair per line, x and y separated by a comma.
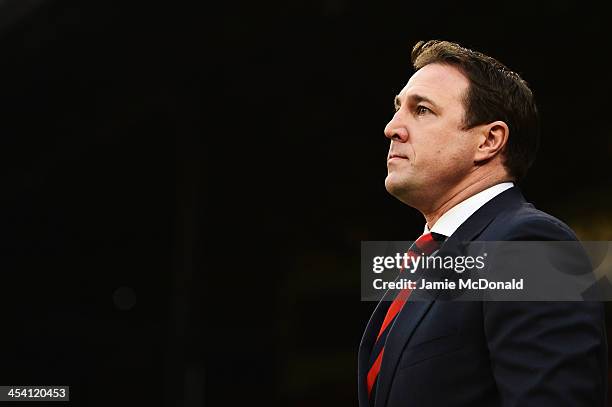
x,y
495,93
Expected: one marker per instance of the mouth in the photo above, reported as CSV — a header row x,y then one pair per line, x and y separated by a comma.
x,y
395,156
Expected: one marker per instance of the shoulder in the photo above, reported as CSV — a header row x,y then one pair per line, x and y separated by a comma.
x,y
526,222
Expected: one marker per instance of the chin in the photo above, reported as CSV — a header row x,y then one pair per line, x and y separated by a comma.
x,y
395,186
402,189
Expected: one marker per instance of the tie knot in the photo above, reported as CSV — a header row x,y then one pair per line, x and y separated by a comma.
x,y
429,242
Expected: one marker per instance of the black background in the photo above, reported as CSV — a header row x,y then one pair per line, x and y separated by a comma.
x,y
185,188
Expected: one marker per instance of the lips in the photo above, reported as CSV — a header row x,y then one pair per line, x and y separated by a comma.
x,y
396,155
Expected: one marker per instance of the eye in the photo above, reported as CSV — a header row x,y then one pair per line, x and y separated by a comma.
x,y
421,110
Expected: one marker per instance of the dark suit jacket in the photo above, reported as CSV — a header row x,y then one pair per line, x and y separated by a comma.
x,y
444,353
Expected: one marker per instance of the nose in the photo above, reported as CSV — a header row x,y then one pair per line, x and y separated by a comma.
x,y
395,130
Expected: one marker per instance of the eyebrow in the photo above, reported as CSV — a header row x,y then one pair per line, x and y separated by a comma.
x,y
415,99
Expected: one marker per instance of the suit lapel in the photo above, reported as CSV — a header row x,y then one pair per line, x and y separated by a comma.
x,y
408,319
367,342
404,326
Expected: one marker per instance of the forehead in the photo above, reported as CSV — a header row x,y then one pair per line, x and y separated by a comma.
x,y
444,84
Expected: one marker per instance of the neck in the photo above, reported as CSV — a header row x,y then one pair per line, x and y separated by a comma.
x,y
460,193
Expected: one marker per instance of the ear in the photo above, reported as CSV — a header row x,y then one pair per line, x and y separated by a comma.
x,y
492,140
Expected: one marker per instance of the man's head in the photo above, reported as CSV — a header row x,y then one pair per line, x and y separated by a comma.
x,y
461,119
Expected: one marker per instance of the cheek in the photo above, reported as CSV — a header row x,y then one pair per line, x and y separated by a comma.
x,y
451,156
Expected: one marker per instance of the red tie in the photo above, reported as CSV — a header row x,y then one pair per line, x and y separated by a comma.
x,y
426,245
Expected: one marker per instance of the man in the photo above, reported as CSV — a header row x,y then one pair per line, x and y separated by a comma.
x,y
465,131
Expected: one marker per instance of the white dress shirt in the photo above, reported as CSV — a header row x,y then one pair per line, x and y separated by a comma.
x,y
450,221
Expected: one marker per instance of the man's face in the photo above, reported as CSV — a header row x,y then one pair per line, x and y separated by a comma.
x,y
430,152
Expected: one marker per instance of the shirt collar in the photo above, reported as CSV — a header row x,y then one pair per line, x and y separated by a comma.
x,y
450,221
